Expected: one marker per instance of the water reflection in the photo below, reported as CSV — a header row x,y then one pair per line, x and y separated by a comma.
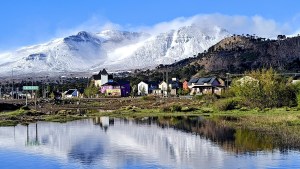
x,y
164,142
237,141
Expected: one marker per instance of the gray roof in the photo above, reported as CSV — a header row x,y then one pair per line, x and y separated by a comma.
x,y
202,80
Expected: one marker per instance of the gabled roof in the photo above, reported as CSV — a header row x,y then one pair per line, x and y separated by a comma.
x,y
97,77
111,84
207,80
102,72
203,80
123,82
193,80
71,91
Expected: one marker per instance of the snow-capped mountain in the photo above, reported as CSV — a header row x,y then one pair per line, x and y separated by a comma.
x,y
111,49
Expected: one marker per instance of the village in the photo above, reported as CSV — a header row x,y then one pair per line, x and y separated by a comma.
x,y
103,84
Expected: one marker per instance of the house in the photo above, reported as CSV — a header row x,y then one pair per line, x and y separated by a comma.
x,y
185,85
145,88
101,78
164,88
206,85
121,88
296,79
125,88
109,85
71,93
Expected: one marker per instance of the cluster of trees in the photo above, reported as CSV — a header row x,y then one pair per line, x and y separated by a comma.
x,y
265,89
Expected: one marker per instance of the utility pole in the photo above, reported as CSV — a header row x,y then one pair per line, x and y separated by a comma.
x,y
12,86
227,79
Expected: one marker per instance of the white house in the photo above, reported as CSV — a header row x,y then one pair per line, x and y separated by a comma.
x,y
206,85
102,78
143,88
71,93
296,79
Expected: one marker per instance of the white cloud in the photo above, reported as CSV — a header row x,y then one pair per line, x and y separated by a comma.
x,y
236,24
94,24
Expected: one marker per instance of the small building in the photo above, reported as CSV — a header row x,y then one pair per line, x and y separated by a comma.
x,y
206,85
296,79
185,85
121,88
71,93
164,88
145,88
101,78
125,88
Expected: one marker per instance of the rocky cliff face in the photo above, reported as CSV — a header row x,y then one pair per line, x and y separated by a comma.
x,y
239,53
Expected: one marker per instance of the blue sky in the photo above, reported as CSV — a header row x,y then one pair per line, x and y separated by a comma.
x,y
27,22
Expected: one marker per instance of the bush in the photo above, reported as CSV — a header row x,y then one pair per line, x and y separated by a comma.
x,y
265,89
172,108
176,108
148,98
166,109
207,110
227,104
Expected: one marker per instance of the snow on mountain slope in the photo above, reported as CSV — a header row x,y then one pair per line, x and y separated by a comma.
x,y
165,48
111,49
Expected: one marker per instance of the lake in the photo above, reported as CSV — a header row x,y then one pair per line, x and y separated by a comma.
x,y
164,142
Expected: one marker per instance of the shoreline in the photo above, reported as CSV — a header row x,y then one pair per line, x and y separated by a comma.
x,y
284,123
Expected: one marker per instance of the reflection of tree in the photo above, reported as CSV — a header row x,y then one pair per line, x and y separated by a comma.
x,y
246,140
238,141
35,141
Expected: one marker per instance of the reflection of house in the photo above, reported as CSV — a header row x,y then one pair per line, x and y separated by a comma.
x,y
206,85
145,88
101,78
71,93
121,88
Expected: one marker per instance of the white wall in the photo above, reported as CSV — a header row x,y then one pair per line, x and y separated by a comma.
x,y
142,85
104,79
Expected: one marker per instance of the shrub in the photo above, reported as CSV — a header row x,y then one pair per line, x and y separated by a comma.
x,y
166,109
265,89
227,104
175,108
150,97
172,108
207,110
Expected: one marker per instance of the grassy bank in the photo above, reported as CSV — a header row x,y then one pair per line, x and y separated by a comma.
x,y
266,120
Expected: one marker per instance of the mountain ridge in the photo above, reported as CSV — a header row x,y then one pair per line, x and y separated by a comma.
x,y
111,49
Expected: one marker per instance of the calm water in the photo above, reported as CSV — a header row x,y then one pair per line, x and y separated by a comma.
x,y
146,143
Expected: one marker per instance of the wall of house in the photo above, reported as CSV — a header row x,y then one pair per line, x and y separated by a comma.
x,y
104,88
142,86
113,92
97,83
104,79
185,85
125,90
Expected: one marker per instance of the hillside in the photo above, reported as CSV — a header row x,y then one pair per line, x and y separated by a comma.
x,y
237,54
